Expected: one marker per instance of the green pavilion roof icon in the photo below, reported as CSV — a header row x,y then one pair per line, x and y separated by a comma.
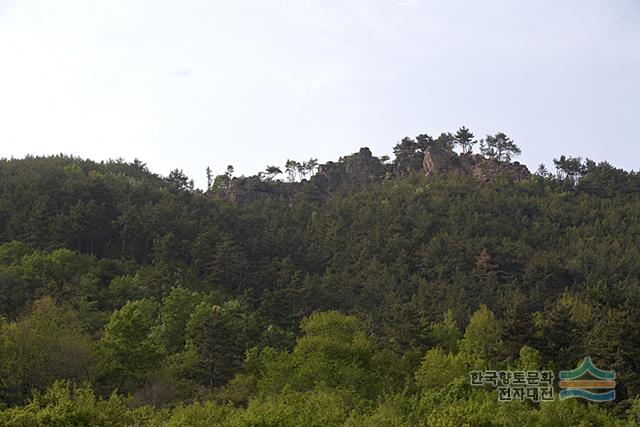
x,y
587,377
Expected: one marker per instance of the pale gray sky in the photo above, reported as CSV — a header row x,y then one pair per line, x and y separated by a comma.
x,y
194,83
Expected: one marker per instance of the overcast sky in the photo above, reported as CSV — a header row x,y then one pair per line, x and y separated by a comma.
x,y
190,84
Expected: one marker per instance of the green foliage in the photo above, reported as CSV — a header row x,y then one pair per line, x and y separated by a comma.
x,y
120,290
12,252
332,352
500,147
180,297
60,274
438,369
317,408
216,337
559,341
517,327
569,168
529,359
481,342
409,153
46,344
64,404
272,171
199,415
177,308
127,351
464,138
395,410
446,334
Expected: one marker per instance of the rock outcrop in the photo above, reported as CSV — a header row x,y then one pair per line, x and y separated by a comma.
x,y
247,190
357,170
440,160
350,172
353,171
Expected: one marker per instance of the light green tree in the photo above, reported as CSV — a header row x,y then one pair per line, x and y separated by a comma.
x,y
127,351
481,342
175,312
439,368
44,345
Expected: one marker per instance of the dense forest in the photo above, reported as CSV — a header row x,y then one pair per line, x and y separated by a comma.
x,y
128,298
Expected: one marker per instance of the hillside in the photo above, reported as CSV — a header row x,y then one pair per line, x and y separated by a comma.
x,y
362,294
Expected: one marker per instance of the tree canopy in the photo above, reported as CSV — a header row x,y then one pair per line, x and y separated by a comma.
x,y
129,298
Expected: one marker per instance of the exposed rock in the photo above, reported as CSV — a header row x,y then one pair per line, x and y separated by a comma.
x,y
439,160
362,168
355,170
247,190
489,169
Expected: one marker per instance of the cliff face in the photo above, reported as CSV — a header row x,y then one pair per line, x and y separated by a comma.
x,y
362,168
247,190
438,160
351,171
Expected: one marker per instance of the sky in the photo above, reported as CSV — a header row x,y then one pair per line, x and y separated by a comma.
x,y
189,84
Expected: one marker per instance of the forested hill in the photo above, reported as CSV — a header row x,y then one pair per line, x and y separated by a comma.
x,y
363,304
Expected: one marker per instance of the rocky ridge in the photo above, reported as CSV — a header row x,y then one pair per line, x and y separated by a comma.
x,y
357,170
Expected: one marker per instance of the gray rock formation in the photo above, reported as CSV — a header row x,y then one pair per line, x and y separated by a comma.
x,y
357,170
353,171
247,190
439,160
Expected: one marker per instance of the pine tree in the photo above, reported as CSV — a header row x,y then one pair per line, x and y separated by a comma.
x,y
464,138
272,172
517,326
209,177
561,338
216,341
500,147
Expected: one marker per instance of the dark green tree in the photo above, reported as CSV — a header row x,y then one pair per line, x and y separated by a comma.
x,y
500,147
179,180
543,172
217,340
464,138
223,181
408,156
292,168
561,338
569,168
423,141
614,343
272,172
209,177
446,141
517,329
